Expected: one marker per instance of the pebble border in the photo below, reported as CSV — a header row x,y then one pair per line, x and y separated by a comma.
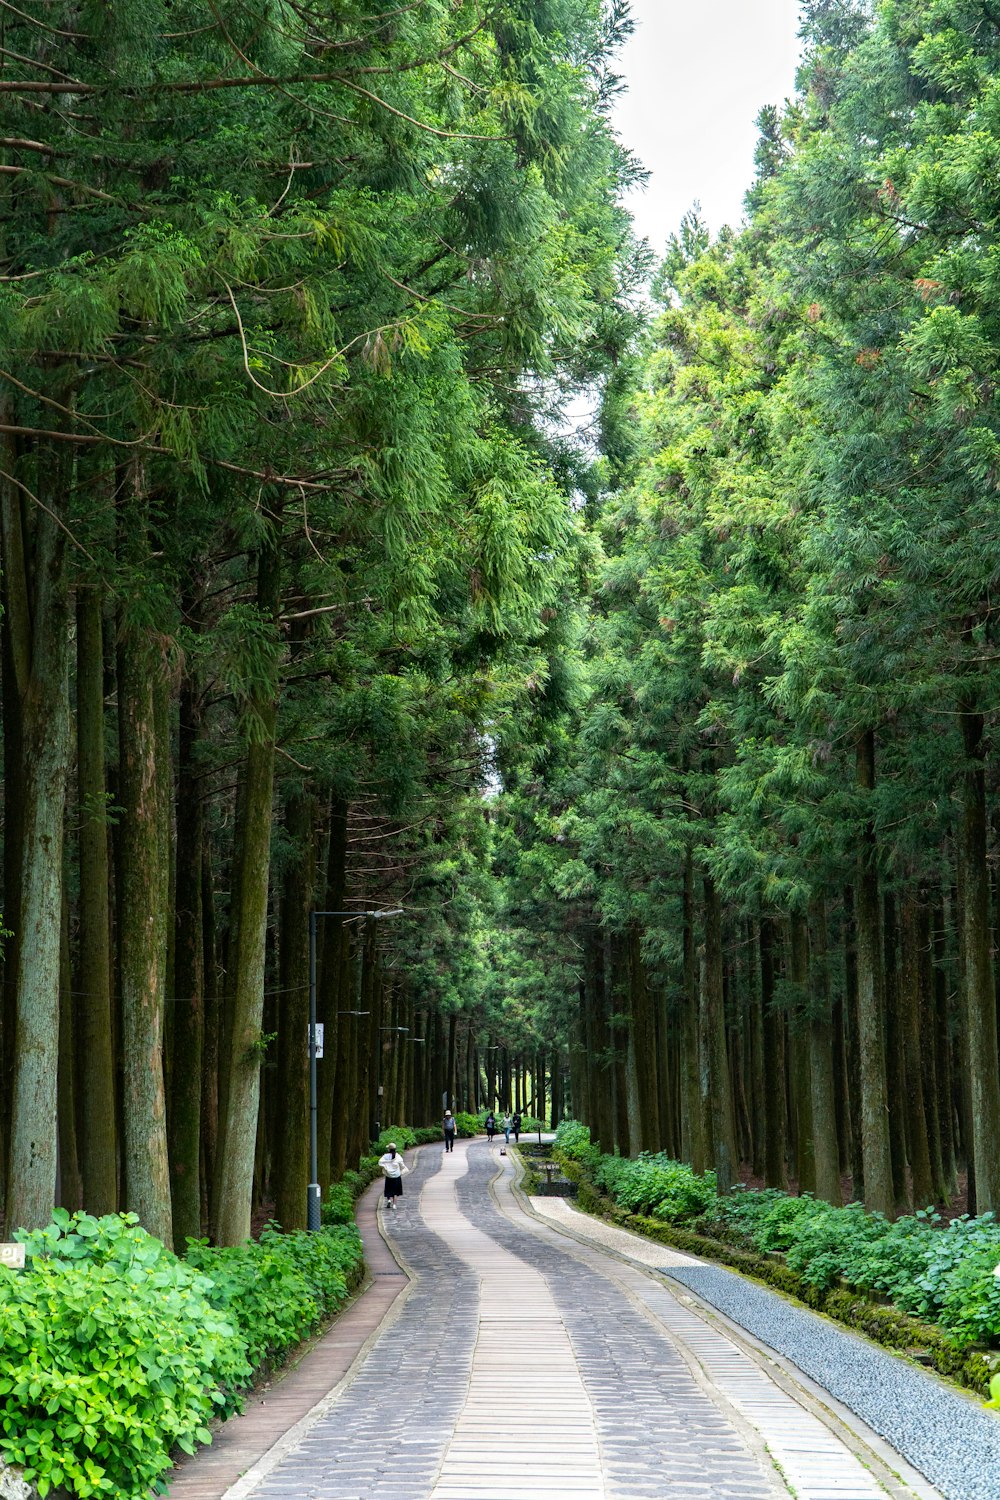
x,y
950,1439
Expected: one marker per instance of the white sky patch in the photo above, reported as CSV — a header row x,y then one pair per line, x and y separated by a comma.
x,y
697,74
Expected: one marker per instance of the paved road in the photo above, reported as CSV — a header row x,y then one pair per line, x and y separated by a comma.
x,y
523,1364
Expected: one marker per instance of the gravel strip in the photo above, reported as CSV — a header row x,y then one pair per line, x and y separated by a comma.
x,y
945,1435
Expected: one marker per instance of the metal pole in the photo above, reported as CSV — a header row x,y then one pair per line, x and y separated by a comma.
x,y
313,1213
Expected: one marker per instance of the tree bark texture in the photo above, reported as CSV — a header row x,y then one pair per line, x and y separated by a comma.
x,y
98,1090
246,965
875,1144
39,603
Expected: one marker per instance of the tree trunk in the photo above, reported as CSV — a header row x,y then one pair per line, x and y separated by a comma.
x,y
894,1058
70,1185
100,1134
693,1144
943,1057
775,1151
246,966
142,934
213,1024
980,1001
755,1038
715,1066
875,1144
910,1008
800,1068
853,1045
331,999
189,979
42,675
928,1050
826,1147
292,1167
643,1038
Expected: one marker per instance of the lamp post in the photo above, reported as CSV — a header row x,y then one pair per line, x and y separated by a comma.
x,y
313,1214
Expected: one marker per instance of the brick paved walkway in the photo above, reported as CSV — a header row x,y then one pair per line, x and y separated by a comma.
x,y
522,1364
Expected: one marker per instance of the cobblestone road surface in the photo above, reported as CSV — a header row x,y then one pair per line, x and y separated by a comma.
x,y
521,1365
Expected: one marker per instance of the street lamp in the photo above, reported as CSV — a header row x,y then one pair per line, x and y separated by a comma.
x,y
313,1213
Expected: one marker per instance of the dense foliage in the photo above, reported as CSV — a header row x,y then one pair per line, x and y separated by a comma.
x,y
117,1352
291,298
750,838
940,1272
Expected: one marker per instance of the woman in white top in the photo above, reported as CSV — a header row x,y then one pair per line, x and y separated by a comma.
x,y
393,1166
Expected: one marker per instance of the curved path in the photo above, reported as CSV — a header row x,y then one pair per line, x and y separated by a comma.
x,y
525,1362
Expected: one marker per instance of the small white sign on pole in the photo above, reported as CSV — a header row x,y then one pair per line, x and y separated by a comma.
x,y
319,1037
12,1255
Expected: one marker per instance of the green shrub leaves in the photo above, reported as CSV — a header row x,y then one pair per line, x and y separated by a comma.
x,y
116,1351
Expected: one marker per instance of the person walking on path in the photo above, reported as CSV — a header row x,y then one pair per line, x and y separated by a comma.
x,y
448,1126
506,1126
515,1125
393,1166
491,1126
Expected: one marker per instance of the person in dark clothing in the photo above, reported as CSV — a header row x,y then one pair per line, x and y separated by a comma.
x,y
448,1127
515,1126
491,1126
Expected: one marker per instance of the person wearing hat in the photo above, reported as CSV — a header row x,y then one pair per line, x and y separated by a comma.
x,y
448,1126
393,1166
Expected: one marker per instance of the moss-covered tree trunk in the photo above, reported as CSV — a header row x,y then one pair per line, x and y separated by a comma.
x,y
775,1148
875,1143
980,998
189,976
826,1148
37,597
245,977
142,921
99,1146
715,1065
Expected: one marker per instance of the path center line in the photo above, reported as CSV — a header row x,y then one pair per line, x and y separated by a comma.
x,y
527,1426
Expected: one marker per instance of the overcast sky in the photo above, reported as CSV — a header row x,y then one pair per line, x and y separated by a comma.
x,y
698,72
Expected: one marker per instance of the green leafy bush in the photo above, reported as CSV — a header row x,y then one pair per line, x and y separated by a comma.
x,y
942,1274
656,1185
278,1288
116,1351
573,1141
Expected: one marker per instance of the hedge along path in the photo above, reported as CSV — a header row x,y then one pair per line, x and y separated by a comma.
x,y
244,1441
